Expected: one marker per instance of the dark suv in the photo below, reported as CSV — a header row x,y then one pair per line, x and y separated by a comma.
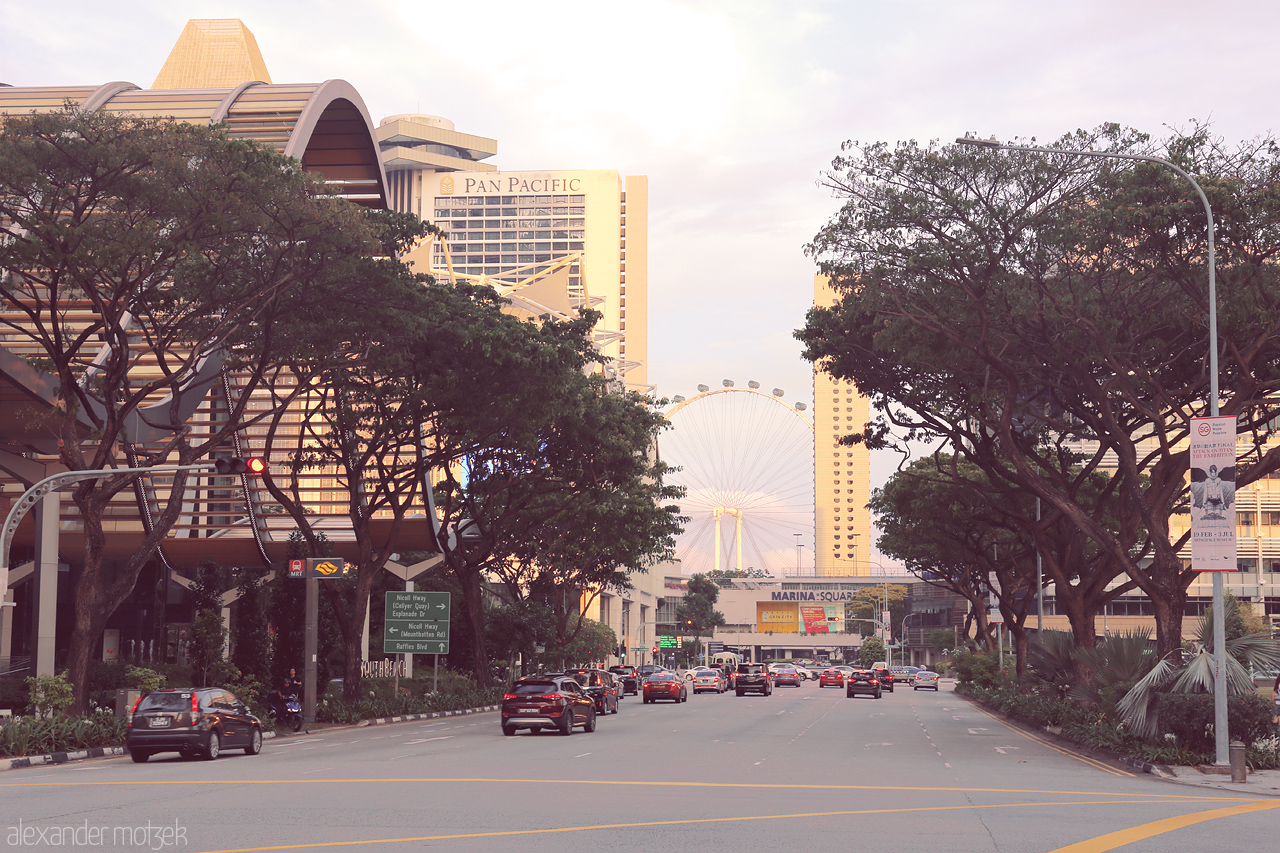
x,y
547,701
192,721
753,677
862,681
626,678
886,678
600,686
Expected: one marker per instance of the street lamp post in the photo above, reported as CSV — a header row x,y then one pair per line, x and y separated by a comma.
x,y
1221,740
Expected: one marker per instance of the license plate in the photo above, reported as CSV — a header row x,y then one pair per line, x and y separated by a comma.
x,y
528,710
159,722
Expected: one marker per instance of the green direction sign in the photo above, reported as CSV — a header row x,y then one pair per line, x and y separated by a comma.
x,y
666,642
416,623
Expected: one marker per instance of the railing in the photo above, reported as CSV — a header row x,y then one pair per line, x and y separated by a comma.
x,y
16,665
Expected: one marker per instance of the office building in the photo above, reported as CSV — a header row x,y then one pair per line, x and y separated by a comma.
x,y
841,474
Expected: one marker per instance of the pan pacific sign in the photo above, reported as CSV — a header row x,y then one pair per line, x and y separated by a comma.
x,y
512,184
820,595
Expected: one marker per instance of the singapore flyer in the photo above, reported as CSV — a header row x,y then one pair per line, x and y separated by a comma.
x,y
745,459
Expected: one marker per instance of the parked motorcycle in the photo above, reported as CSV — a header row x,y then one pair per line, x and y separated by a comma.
x,y
287,712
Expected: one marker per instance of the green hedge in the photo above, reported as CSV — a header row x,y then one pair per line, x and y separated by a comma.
x,y
21,736
454,692
1185,719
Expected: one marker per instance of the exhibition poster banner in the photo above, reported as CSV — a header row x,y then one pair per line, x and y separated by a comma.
x,y
815,619
1213,494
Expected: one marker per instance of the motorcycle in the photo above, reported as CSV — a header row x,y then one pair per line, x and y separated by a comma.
x,y
287,712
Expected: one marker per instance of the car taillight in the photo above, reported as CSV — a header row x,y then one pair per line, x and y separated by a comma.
x,y
873,681
134,710
508,695
195,708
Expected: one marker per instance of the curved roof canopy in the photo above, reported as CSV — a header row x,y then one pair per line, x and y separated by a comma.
x,y
325,125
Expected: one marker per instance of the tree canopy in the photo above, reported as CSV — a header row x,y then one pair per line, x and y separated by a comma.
x,y
122,235
1045,316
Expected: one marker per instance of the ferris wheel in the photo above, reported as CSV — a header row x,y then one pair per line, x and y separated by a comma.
x,y
745,459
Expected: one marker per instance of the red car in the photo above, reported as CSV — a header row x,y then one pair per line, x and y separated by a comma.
x,y
665,685
831,676
547,702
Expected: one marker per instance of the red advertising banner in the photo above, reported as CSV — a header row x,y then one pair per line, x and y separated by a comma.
x,y
1213,494
815,619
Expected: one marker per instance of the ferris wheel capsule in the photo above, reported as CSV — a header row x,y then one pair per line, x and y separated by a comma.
x,y
677,399
800,407
728,383
702,389
751,383
778,392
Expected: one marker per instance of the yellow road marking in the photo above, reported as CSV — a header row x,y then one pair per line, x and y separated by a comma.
x,y
1112,840
1092,762
688,822
641,784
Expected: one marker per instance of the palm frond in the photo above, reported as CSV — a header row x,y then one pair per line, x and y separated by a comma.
x,y
1138,707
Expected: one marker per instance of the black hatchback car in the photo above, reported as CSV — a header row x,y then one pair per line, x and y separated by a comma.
x,y
191,721
627,679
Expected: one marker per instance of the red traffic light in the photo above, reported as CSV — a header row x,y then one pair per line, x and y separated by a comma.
x,y
241,465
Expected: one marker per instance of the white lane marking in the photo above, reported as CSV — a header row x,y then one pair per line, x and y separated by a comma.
x,y
584,755
1001,749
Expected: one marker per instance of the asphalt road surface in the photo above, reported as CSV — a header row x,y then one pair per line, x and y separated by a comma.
x,y
804,768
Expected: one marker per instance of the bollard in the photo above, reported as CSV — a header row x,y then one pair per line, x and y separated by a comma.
x,y
1238,768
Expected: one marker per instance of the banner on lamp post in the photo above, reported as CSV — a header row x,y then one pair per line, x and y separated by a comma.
x,y
1213,494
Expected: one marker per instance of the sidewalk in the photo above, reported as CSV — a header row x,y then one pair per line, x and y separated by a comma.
x,y
1260,783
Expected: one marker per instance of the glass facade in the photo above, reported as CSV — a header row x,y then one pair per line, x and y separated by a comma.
x,y
491,234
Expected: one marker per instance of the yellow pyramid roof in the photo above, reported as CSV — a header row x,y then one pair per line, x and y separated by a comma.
x,y
213,53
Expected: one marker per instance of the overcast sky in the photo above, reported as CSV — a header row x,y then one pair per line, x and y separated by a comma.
x,y
732,108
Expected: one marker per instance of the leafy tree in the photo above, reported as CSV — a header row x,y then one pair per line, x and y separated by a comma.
x,y
696,613
953,525
593,642
1045,317
495,488
724,578
208,634
251,626
597,507
872,650
122,235
866,609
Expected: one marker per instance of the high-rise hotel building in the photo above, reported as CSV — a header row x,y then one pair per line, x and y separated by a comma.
x,y
505,226
841,475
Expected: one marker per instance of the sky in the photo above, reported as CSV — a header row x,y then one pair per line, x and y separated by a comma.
x,y
732,108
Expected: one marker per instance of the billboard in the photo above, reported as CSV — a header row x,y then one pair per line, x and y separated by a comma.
x,y
792,617
1213,490
780,617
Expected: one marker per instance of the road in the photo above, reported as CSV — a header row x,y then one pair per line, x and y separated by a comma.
x,y
805,767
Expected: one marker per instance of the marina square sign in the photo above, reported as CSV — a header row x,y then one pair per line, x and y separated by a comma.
x,y
819,595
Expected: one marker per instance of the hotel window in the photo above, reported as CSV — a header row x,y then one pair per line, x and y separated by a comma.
x,y
1272,518
1246,564
1244,519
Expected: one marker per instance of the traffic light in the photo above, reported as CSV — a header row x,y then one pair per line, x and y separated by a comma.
x,y
255,465
655,650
